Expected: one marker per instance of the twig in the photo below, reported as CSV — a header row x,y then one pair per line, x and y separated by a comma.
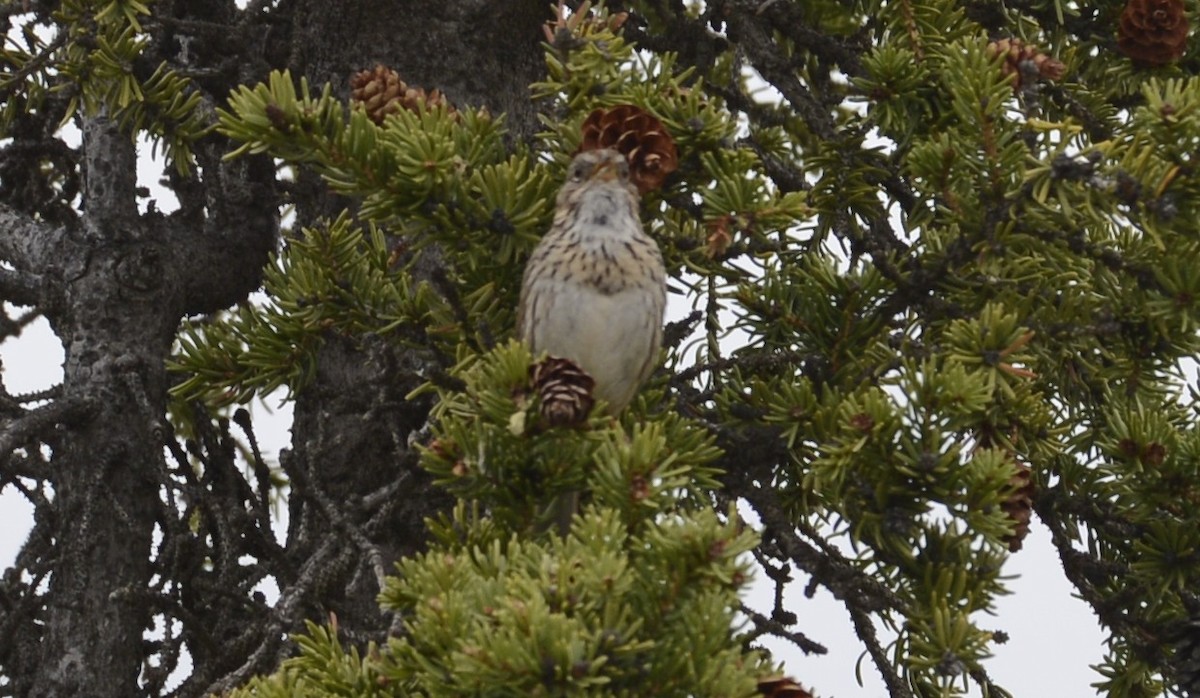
x,y
774,627
865,629
282,617
37,421
306,488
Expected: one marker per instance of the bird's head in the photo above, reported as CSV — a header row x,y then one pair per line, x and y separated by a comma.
x,y
606,165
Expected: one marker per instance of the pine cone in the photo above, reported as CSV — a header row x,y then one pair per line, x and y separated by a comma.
x,y
564,390
380,91
1153,32
1025,62
639,136
1019,506
782,687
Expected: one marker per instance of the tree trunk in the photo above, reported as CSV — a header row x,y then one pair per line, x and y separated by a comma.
x,y
352,424
114,288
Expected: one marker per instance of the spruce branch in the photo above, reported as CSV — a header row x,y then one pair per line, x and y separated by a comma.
x,y
305,486
756,41
834,571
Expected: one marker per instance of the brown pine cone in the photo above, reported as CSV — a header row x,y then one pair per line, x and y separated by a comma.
x,y
639,136
1153,32
1019,506
380,91
1025,62
564,390
782,687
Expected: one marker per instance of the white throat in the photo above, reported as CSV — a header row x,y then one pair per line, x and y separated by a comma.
x,y
606,213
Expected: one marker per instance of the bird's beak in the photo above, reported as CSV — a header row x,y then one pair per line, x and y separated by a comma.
x,y
605,171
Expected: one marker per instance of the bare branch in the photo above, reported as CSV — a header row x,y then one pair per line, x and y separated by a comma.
x,y
764,624
305,487
282,617
35,423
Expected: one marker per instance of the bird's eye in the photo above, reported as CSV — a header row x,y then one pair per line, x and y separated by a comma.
x,y
578,172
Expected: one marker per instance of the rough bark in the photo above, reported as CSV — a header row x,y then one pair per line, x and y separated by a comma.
x,y
352,423
120,282
115,336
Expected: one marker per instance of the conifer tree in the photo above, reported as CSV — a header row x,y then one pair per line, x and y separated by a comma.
x,y
932,265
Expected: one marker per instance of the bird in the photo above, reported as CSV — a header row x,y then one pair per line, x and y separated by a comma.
x,y
594,289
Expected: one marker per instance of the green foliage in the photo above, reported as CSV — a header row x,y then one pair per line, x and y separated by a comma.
x,y
333,281
641,593
324,668
644,590
938,278
413,164
491,448
93,60
605,612
1034,311
939,282
427,178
